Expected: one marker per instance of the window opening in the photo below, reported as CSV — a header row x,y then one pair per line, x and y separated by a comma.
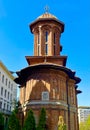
x,y
4,106
54,43
6,81
38,44
8,95
9,84
46,36
38,38
2,91
38,49
0,104
3,79
54,38
46,48
54,49
46,43
11,97
5,93
45,95
7,107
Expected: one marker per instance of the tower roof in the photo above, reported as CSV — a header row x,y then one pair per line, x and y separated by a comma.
x,y
47,17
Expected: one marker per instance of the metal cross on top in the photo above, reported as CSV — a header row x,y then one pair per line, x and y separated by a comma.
x,y
46,9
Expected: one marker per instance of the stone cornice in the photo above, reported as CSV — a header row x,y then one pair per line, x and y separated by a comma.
x,y
24,73
6,70
56,104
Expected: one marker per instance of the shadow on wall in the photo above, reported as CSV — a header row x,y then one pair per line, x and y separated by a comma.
x,y
37,89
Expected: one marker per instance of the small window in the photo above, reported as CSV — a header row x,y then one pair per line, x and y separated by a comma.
x,y
5,93
0,104
11,97
54,49
8,95
6,81
1,91
46,48
46,36
38,44
54,38
10,108
46,43
38,49
7,107
11,87
54,42
45,96
4,105
38,38
3,79
9,84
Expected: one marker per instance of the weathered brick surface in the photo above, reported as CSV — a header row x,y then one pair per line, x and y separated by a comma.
x,y
59,85
55,83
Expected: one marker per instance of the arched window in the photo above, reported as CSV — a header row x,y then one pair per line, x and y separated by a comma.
x,y
5,94
54,42
6,81
46,43
1,91
38,44
38,38
3,79
46,36
8,95
54,38
9,84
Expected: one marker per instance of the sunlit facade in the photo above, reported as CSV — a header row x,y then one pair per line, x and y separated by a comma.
x,y
47,82
8,91
83,113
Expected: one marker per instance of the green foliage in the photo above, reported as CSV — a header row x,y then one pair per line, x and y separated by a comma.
x,y
1,119
13,123
82,126
15,104
29,123
61,124
1,122
42,120
85,125
62,127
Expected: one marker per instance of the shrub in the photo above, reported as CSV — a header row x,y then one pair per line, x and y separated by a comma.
x,y
29,123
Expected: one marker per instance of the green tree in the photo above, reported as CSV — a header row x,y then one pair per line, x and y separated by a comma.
x,y
82,126
29,123
42,120
15,104
13,123
62,127
85,125
1,121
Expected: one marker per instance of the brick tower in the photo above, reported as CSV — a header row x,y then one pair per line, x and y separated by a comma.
x,y
47,82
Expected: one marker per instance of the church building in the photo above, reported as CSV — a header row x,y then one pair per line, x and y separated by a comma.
x,y
46,82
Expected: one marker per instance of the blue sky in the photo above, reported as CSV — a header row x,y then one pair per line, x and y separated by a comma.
x,y
16,40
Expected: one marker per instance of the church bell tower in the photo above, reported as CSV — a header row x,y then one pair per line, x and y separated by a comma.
x,y
47,82
47,30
